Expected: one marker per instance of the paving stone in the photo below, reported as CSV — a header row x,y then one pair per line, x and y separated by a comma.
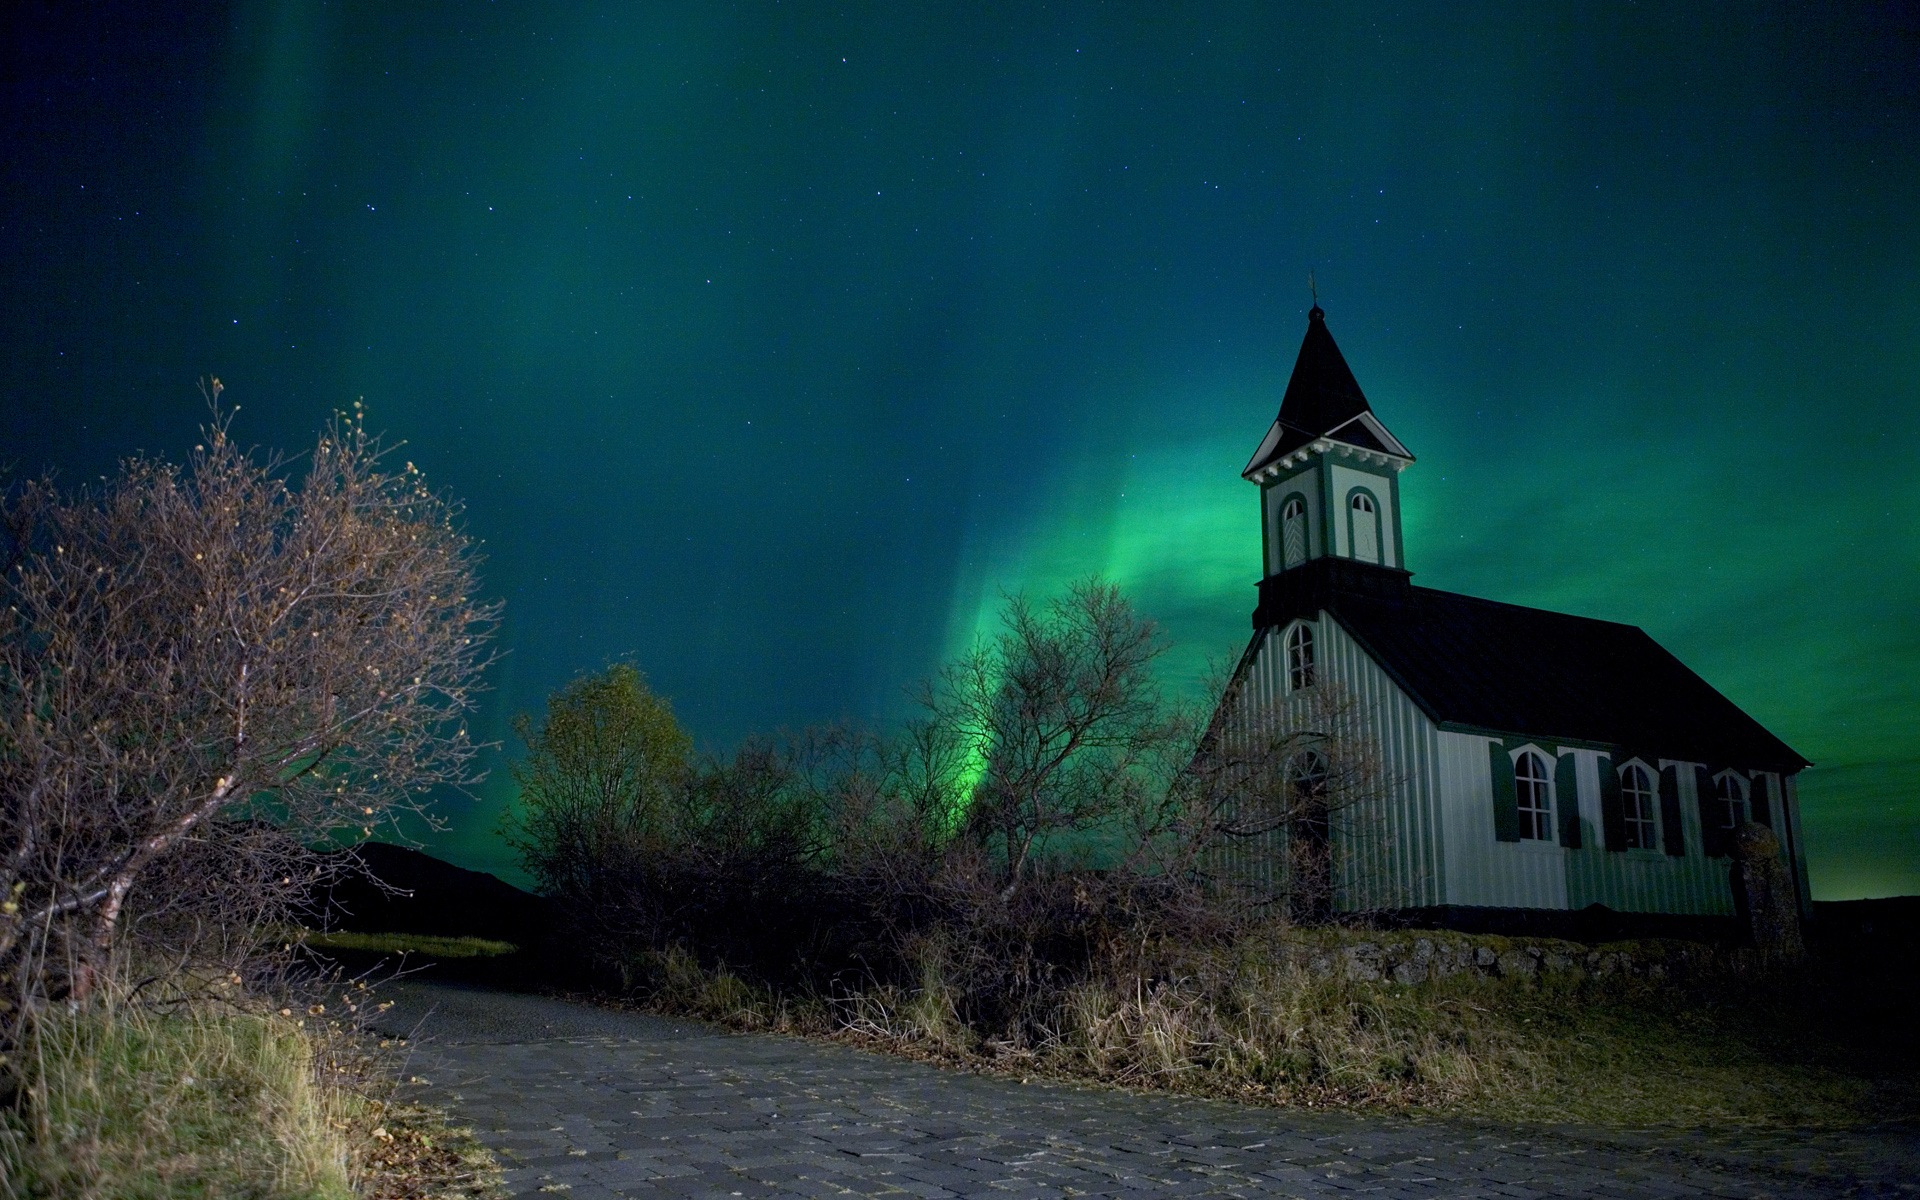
x,y
600,1103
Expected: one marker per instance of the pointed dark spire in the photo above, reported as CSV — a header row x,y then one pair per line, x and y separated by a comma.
x,y
1322,399
1323,394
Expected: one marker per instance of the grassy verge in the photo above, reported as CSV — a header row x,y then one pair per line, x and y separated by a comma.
x,y
426,945
209,1098
1252,1022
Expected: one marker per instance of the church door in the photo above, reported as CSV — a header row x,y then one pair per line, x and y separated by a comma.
x,y
1309,842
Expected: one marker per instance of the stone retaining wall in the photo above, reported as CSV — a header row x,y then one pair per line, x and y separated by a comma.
x,y
1417,958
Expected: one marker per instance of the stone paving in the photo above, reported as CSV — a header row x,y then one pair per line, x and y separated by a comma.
x,y
586,1103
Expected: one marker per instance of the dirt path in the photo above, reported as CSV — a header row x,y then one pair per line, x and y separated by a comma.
x,y
586,1103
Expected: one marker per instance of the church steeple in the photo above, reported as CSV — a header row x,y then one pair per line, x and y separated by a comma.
x,y
1328,469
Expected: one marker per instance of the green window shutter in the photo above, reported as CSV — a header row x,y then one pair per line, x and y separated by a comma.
x,y
1760,800
1613,815
1673,832
1506,802
1713,839
1566,794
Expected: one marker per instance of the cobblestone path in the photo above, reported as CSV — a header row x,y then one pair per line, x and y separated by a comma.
x,y
584,1104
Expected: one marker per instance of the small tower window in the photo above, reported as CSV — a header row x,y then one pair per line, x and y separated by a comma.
x,y
1299,658
1731,803
1365,528
1293,531
1533,788
1637,798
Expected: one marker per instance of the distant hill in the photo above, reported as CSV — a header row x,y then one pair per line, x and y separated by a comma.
x,y
431,896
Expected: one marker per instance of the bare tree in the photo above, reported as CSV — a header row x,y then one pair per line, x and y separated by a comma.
x,y
188,654
1061,717
1272,794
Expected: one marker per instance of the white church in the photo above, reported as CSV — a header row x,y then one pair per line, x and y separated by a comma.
x,y
1537,764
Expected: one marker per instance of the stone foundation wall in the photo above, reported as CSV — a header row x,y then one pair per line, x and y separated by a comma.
x,y
1412,958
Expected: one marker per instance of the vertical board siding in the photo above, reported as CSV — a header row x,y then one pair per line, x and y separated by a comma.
x,y
1481,869
1252,863
1386,852
1428,838
1644,880
1385,855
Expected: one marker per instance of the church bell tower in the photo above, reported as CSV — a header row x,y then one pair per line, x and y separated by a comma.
x,y
1328,470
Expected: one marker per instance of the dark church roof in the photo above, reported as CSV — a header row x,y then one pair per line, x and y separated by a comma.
x,y
1482,665
1323,399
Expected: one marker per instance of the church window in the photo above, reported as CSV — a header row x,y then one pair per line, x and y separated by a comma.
x,y
1299,657
1293,531
1731,802
1637,799
1307,773
1533,788
1364,527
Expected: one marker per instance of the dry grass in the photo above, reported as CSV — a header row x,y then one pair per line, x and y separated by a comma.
x,y
126,1101
1254,1023
211,1096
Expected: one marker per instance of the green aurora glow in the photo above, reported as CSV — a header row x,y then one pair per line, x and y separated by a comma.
x,y
768,347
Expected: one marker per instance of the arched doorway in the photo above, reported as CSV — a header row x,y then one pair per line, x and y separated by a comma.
x,y
1309,841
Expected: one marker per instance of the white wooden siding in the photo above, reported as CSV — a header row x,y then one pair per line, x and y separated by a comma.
x,y
1644,880
1387,852
1429,839
1482,869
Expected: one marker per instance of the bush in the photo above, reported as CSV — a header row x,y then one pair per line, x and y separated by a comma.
x,y
204,671
1047,806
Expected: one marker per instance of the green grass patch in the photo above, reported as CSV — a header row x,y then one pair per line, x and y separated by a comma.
x,y
425,945
204,1097
143,1105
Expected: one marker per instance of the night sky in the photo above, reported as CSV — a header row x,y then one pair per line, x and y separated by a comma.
x,y
767,344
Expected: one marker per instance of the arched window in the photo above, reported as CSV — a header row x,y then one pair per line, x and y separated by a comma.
x,y
1533,787
1307,773
1638,795
1365,527
1293,532
1732,806
1299,658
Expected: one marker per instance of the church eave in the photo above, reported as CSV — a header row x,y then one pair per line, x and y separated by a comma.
x,y
1325,445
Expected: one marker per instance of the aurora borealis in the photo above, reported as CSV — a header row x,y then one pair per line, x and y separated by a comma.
x,y
767,343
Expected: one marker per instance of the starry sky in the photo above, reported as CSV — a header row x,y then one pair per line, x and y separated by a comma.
x,y
768,343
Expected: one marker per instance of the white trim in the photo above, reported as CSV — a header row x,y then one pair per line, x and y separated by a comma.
x,y
1266,443
1322,445
1286,655
1379,431
1744,786
1656,818
1551,763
